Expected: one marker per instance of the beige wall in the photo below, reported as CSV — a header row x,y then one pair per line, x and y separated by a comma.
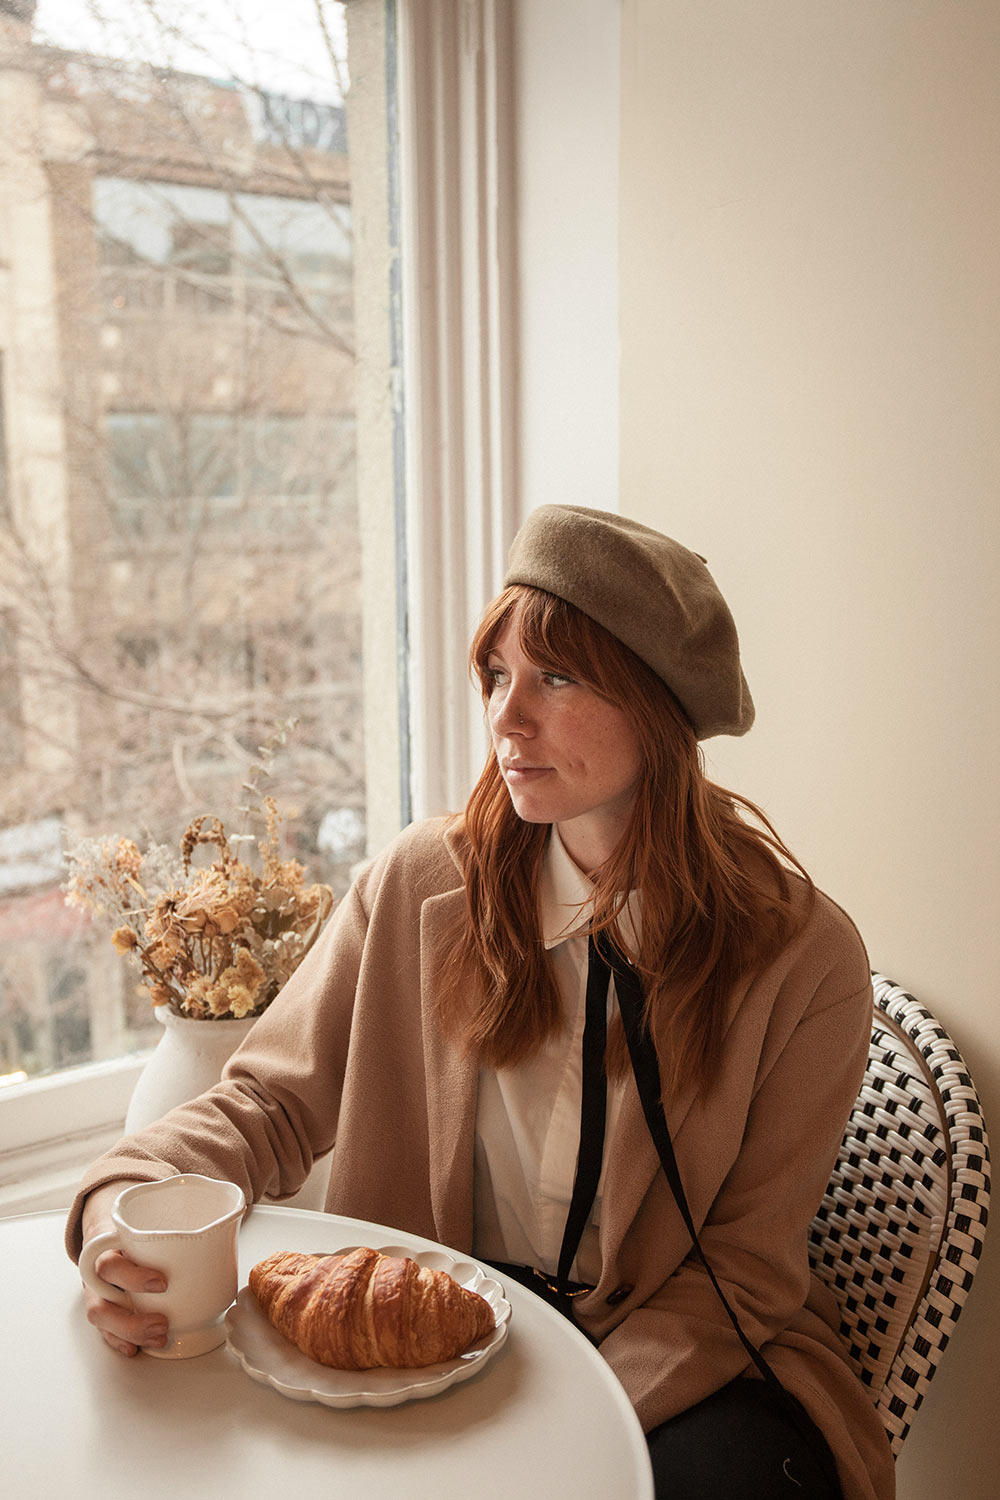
x,y
566,170
810,396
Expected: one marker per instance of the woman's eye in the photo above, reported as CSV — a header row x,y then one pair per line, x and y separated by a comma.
x,y
495,677
556,679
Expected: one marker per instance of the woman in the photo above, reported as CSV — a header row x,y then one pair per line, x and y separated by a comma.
x,y
439,1028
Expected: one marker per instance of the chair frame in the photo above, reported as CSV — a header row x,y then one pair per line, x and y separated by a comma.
x,y
914,1165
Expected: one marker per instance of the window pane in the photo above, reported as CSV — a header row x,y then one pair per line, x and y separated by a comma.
x,y
179,540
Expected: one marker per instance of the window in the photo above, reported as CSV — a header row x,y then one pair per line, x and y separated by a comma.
x,y
287,474
181,559
213,356
169,247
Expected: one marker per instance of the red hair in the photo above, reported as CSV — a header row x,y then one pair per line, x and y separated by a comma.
x,y
717,901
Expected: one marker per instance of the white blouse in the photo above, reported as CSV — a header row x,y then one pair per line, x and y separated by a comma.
x,y
528,1117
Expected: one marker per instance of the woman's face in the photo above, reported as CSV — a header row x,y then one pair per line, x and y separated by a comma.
x,y
567,755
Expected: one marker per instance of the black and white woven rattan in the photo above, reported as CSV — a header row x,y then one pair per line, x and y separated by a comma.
x,y
900,1231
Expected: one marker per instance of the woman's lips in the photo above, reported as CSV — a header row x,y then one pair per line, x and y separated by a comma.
x,y
519,773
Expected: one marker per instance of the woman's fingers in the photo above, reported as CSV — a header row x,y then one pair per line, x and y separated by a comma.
x,y
116,1268
123,1328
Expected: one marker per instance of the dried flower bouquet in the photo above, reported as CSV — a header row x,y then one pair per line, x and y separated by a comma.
x,y
212,942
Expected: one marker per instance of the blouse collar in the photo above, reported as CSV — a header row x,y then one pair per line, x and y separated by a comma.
x,y
566,898
565,894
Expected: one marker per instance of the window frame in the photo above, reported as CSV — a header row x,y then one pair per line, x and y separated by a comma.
x,y
436,465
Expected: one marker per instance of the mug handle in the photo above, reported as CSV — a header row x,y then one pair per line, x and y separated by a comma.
x,y
95,1247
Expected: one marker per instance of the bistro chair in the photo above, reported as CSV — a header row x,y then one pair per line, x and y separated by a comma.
x,y
900,1230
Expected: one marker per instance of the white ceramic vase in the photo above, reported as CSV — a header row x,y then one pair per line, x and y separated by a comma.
x,y
187,1060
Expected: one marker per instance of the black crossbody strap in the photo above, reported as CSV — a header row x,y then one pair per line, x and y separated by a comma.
x,y
593,1109
647,1077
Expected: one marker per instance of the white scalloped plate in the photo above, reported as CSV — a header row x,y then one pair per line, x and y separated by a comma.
x,y
267,1356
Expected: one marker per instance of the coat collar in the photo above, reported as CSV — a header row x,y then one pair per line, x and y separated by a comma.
x,y
450,1079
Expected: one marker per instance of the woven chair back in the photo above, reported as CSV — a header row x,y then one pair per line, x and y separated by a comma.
x,y
900,1231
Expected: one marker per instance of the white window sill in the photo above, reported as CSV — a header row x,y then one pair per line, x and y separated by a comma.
x,y
51,1128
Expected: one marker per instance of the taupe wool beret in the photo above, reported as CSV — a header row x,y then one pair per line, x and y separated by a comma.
x,y
654,595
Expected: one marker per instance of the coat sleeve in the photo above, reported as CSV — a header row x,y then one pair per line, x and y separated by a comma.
x,y
679,1345
276,1108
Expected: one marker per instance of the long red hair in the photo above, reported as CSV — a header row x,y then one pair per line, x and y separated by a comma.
x,y
717,901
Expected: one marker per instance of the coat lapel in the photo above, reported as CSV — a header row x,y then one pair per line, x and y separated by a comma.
x,y
636,1165
451,1083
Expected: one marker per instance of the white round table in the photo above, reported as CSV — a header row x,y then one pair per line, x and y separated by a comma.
x,y
543,1417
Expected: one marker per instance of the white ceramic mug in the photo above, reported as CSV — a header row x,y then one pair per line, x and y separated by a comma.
x,y
186,1227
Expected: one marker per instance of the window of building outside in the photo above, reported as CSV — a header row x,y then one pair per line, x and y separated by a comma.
x,y
180,552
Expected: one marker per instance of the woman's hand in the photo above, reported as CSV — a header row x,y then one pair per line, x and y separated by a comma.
x,y
122,1329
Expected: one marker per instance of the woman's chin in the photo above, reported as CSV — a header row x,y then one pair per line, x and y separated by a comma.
x,y
531,809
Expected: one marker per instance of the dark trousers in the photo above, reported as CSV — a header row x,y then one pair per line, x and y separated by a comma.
x,y
742,1444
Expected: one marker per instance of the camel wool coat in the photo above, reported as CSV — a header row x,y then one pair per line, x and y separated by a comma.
x,y
350,1053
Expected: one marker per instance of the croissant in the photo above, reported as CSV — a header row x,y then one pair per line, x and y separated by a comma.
x,y
361,1310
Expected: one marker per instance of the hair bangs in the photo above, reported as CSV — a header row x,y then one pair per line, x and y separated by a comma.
x,y
558,637
543,636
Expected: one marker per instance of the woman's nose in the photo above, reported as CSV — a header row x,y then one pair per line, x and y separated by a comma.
x,y
510,714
